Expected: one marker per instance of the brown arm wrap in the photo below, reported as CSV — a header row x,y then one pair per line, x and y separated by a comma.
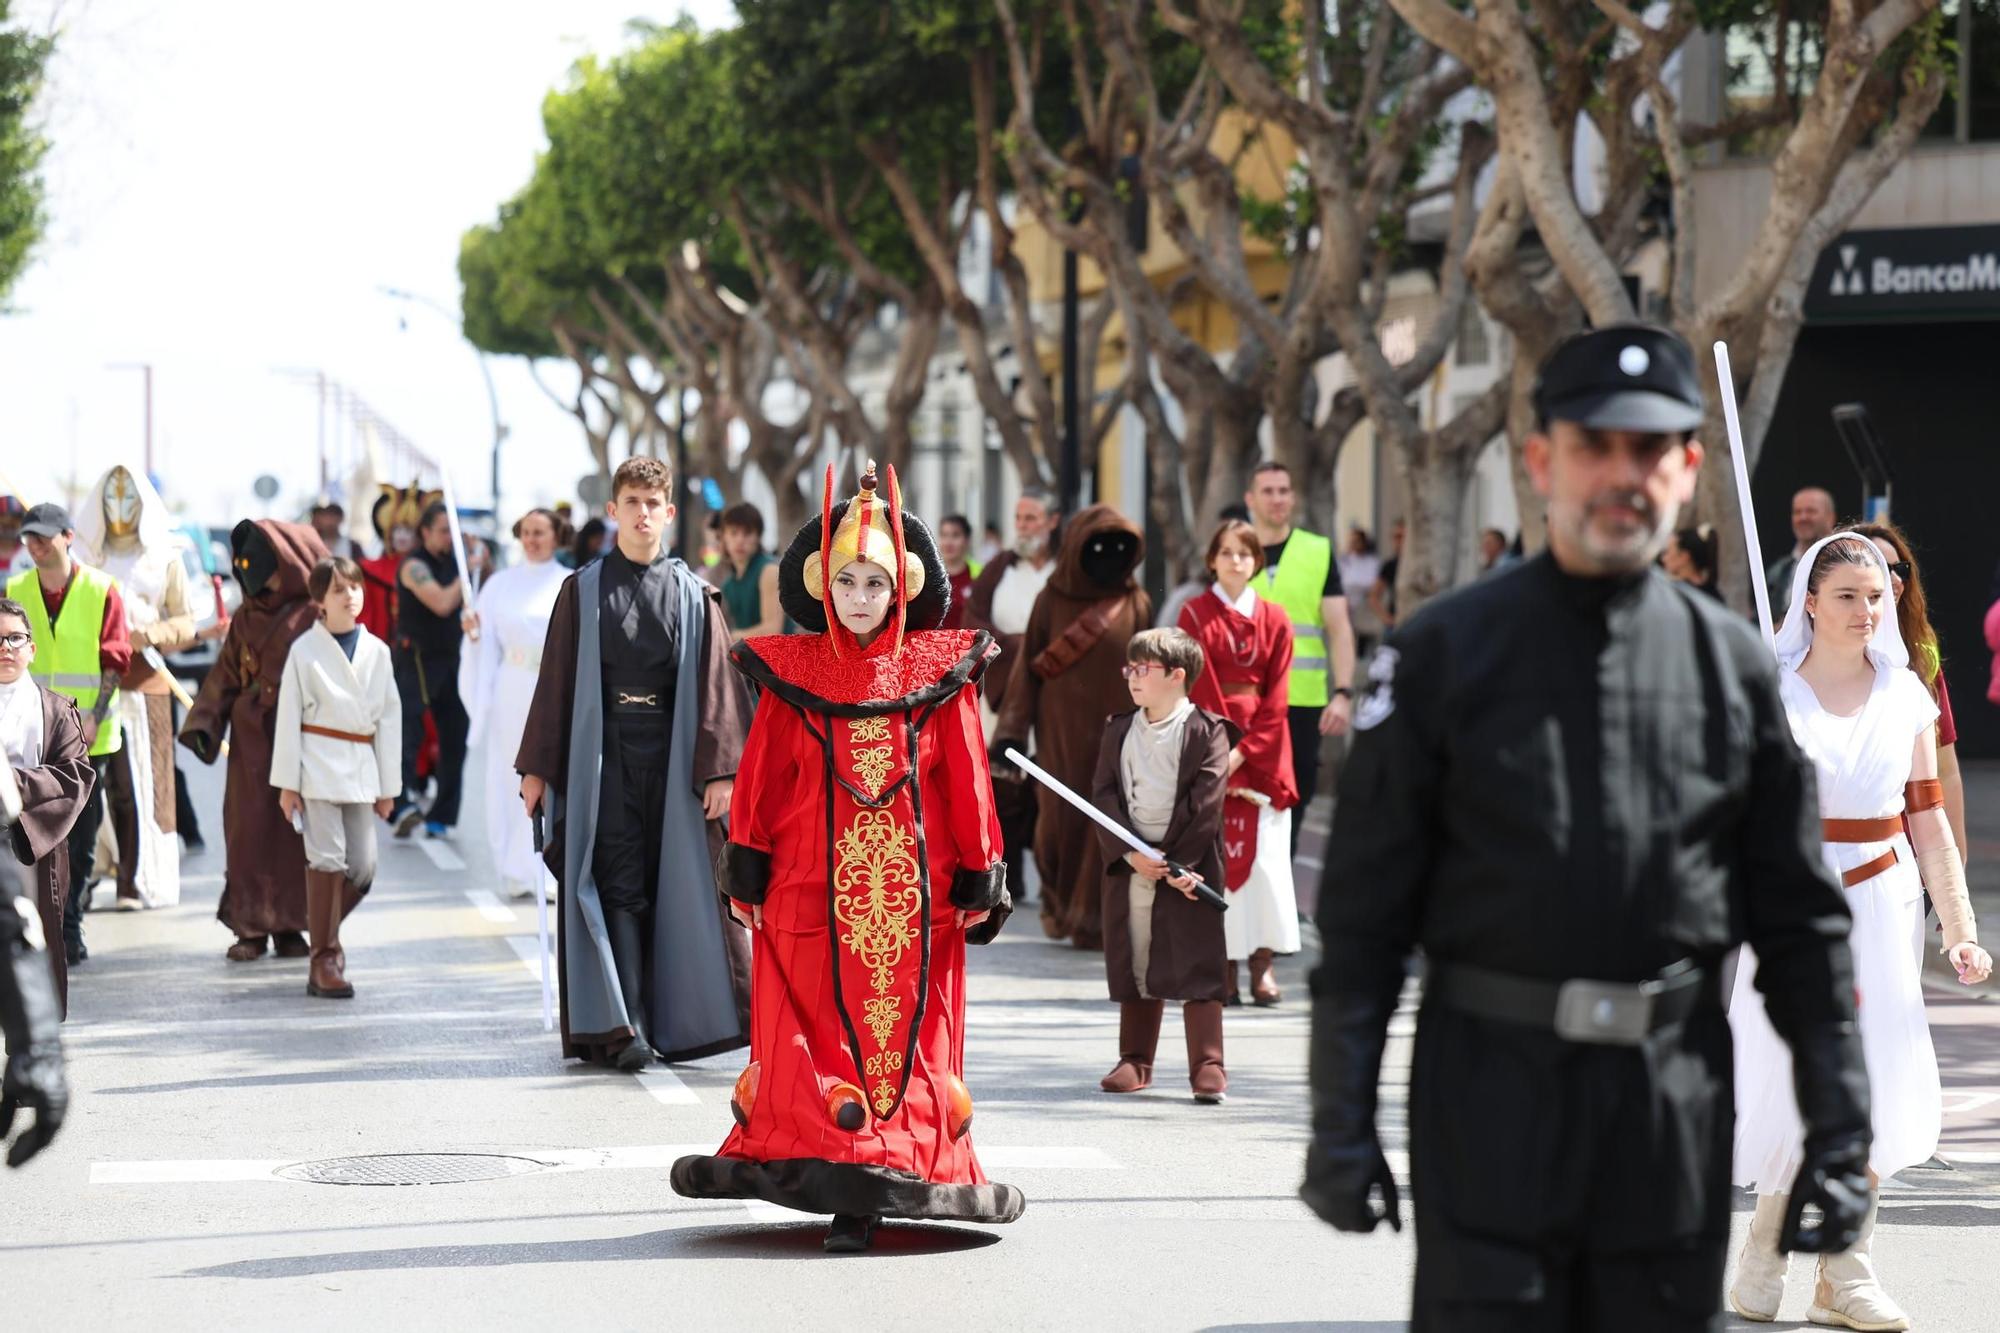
x,y
1923,794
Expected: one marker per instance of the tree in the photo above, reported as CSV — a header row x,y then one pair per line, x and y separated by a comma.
x,y
1842,117
23,59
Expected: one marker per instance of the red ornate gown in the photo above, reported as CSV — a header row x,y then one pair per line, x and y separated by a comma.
x,y
1245,677
862,822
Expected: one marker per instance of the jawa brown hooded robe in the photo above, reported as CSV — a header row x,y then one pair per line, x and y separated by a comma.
x,y
53,794
264,880
1069,680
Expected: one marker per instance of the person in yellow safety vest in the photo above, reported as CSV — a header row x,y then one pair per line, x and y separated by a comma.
x,y
82,650
1301,575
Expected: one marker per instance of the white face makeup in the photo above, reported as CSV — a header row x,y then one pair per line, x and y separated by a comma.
x,y
861,595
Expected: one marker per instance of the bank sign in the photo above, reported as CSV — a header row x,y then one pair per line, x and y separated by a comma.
x,y
1911,273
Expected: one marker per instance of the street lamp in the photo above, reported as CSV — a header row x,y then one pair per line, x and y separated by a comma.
x,y
485,371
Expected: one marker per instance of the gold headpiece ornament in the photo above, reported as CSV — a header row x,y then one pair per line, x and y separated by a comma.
x,y
870,530
401,507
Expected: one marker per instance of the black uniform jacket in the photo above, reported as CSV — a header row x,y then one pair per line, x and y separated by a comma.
x,y
1558,777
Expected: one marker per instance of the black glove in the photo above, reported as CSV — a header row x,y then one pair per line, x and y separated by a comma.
x,y
1833,1178
1344,1161
996,758
201,743
31,1023
1832,1089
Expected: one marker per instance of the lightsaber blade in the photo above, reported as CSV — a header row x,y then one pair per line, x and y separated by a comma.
x,y
1112,826
1758,591
467,591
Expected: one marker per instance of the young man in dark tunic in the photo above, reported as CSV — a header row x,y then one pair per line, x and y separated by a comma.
x,y
632,743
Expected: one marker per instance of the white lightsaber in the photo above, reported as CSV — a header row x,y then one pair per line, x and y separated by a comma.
x,y
1743,505
466,590
1110,825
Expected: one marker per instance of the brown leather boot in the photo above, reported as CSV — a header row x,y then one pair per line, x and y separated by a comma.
x,y
326,978
1203,1019
1264,992
1138,1039
351,895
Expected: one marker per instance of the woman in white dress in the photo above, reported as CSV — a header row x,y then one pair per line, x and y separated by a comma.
x,y
497,682
1869,726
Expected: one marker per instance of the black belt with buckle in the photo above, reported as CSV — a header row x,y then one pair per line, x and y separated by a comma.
x,y
635,699
1601,1013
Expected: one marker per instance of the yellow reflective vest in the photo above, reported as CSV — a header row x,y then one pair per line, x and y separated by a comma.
x,y
66,659
1298,585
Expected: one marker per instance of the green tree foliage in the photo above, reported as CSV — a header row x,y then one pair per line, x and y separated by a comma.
x,y
23,59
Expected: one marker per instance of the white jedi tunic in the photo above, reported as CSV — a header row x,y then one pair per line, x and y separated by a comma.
x,y
497,682
322,687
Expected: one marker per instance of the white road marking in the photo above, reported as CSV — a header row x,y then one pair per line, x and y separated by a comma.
x,y
527,947
667,1089
1964,1103
490,907
441,854
1034,1159
640,1157
182,1173
1971,1158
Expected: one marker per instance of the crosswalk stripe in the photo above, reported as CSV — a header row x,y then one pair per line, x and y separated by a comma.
x,y
441,855
490,906
528,949
666,1088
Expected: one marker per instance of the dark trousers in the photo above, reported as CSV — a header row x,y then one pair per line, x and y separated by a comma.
x,y
1552,1291
121,797
431,685
625,862
1304,723
1015,804
83,844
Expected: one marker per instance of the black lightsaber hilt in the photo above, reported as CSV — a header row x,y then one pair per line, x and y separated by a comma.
x,y
1201,889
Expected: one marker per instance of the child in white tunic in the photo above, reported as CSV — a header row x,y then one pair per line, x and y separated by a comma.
x,y
1868,724
336,760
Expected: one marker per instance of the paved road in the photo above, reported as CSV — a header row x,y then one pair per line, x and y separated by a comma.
x,y
203,1085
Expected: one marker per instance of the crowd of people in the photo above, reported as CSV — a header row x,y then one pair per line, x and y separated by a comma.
x,y
1576,785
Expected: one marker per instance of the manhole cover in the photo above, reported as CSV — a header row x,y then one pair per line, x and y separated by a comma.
x,y
453,1168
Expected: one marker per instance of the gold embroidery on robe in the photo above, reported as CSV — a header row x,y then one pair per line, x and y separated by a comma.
x,y
877,900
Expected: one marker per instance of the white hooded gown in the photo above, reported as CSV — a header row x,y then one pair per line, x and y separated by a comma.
x,y
497,682
1862,763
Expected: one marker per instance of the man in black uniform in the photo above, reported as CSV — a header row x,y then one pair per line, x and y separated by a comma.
x,y
428,639
1574,786
30,1019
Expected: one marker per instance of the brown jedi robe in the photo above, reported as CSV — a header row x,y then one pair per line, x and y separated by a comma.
x,y
1067,710
545,743
1190,957
53,794
264,877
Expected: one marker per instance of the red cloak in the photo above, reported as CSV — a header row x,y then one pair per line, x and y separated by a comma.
x,y
1245,675
862,823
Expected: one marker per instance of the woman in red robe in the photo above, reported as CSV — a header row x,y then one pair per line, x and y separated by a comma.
x,y
1247,643
864,850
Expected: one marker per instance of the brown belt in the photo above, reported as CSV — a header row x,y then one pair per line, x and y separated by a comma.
x,y
328,732
1860,830
1863,830
1239,687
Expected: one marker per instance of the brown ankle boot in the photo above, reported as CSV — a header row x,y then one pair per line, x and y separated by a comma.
x,y
326,977
1138,1039
1264,992
1203,1019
